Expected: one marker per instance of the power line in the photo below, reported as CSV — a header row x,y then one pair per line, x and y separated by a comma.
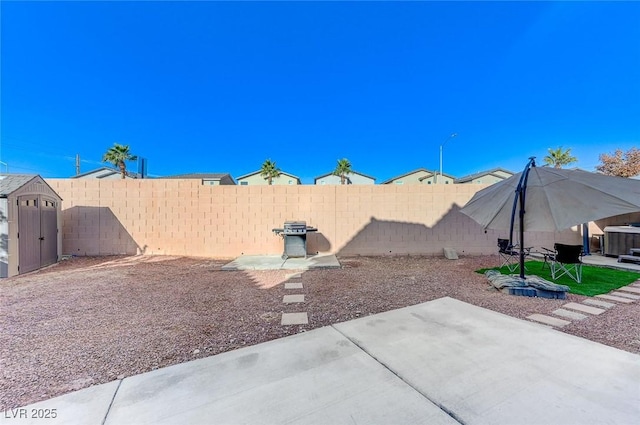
x,y
40,152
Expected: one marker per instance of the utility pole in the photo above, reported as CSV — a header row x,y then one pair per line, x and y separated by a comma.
x,y
77,164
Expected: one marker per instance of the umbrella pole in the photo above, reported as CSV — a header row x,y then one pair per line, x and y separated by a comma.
x,y
521,192
522,230
585,239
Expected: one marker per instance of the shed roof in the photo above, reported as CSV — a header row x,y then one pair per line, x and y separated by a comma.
x,y
9,183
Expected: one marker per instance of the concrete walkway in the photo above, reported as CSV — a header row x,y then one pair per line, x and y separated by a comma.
x,y
598,304
276,262
440,362
589,307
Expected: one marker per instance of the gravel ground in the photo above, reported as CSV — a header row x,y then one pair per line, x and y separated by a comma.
x,y
91,320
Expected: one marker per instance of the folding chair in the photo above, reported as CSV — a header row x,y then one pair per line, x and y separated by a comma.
x,y
566,259
510,254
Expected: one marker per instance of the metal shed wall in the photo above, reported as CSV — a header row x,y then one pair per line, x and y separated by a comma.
x,y
4,239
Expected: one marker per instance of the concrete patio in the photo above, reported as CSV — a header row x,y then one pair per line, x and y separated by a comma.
x,y
276,262
440,362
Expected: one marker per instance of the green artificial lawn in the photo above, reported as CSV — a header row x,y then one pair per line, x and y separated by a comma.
x,y
595,280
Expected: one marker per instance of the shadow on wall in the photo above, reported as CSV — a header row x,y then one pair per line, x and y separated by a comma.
x,y
384,237
618,220
454,230
95,231
317,242
596,231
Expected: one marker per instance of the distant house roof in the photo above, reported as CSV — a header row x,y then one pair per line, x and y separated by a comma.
x,y
407,174
258,172
9,183
102,172
431,173
437,173
196,176
491,172
202,176
353,172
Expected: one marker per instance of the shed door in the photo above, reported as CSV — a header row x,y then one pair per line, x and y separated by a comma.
x,y
28,233
48,232
37,232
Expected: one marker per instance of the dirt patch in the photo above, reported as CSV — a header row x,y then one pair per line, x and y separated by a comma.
x,y
91,320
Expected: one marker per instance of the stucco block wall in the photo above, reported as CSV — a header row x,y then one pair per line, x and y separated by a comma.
x,y
184,217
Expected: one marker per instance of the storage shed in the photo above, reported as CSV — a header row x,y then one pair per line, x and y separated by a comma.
x,y
30,219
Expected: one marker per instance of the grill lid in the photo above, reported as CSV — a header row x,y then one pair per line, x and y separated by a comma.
x,y
294,227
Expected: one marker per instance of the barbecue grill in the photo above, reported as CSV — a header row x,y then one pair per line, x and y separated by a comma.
x,y
294,234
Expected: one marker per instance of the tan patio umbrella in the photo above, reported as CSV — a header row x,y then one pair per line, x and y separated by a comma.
x,y
551,199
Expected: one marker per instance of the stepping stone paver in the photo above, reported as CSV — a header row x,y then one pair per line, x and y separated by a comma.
x,y
548,320
569,314
298,298
614,298
294,319
584,308
293,285
625,294
598,303
630,289
293,275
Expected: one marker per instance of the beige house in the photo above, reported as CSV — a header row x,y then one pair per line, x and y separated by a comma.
x,y
208,179
421,176
492,176
351,178
255,179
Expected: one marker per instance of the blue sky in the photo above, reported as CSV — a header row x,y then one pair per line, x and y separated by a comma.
x,y
222,86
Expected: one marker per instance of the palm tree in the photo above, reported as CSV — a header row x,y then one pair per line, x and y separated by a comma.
x,y
117,155
342,169
559,157
269,171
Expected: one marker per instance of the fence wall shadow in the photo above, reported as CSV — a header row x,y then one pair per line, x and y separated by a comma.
x,y
91,230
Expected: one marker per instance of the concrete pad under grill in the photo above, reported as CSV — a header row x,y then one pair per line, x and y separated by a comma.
x,y
276,262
